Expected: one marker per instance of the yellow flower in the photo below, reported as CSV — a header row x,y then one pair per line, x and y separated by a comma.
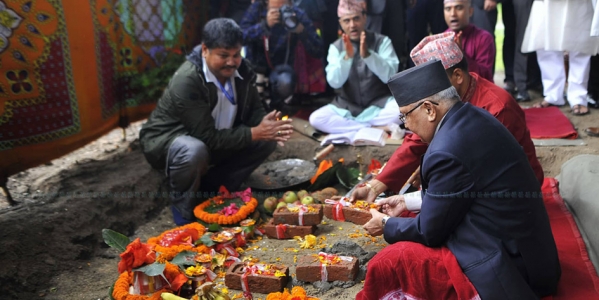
x,y
195,271
279,274
308,242
218,260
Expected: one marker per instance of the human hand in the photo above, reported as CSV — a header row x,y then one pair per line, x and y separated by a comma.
x,y
366,193
299,28
458,39
273,129
394,205
364,53
273,16
349,48
414,180
490,5
374,227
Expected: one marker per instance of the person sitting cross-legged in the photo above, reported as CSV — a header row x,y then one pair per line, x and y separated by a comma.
x,y
359,65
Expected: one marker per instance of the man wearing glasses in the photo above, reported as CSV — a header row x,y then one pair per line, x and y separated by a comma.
x,y
472,89
481,201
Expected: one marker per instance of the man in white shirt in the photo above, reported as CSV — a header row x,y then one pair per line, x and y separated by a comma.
x,y
359,66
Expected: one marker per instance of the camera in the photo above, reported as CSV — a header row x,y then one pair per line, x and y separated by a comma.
x,y
288,17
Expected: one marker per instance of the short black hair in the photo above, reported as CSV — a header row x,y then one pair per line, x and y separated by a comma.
x,y
463,64
222,33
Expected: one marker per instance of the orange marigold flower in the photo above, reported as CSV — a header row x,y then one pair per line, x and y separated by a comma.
x,y
221,219
136,254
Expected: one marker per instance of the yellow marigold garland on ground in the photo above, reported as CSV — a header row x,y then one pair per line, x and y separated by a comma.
x,y
297,293
168,253
122,284
243,213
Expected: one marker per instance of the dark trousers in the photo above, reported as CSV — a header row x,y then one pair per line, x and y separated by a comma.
x,y
485,20
419,17
191,170
520,68
594,79
394,26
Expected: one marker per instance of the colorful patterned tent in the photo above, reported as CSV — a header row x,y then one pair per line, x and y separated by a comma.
x,y
66,67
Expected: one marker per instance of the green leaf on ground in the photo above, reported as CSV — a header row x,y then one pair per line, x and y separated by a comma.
x,y
206,240
115,240
154,269
185,258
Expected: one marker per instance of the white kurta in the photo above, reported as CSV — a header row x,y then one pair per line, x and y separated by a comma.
x,y
561,25
595,23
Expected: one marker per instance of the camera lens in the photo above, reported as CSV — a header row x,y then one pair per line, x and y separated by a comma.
x,y
288,17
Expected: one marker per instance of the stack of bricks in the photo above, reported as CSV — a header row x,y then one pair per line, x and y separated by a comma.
x,y
256,283
286,224
310,269
357,216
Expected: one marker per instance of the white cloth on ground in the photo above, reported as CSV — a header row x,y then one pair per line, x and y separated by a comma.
x,y
327,118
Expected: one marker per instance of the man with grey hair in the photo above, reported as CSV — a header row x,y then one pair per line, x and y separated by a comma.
x,y
480,199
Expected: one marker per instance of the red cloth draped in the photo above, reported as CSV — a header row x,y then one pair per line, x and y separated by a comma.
x,y
407,270
549,123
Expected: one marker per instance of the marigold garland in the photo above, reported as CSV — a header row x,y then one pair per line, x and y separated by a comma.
x,y
122,284
297,293
221,219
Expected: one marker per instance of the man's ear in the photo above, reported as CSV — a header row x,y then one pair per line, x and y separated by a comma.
x,y
204,50
471,11
431,112
458,76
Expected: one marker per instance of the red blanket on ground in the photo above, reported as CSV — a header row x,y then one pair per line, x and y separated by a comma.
x,y
549,123
412,271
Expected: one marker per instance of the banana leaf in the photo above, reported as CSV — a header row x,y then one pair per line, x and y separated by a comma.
x,y
326,179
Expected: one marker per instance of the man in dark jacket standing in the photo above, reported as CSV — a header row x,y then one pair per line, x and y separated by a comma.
x,y
480,197
209,128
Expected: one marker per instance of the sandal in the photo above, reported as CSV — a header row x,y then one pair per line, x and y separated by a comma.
x,y
544,104
579,110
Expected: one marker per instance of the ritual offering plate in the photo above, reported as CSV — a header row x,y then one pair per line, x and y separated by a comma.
x,y
222,237
204,258
281,174
235,230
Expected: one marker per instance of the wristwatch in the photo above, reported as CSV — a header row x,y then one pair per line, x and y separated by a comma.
x,y
385,218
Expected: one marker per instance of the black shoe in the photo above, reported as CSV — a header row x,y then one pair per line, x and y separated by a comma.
x,y
523,97
509,87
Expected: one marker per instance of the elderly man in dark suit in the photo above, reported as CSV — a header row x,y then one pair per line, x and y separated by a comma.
x,y
481,198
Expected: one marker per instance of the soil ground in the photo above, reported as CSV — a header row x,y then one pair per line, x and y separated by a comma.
x,y
51,245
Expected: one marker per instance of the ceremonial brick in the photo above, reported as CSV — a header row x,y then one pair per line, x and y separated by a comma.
x,y
354,215
263,284
310,269
282,215
286,231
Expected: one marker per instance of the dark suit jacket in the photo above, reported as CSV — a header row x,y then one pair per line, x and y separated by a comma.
x,y
481,198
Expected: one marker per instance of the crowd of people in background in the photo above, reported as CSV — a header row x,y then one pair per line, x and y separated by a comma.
x,y
302,47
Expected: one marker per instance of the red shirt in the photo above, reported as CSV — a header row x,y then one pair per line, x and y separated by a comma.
x,y
481,93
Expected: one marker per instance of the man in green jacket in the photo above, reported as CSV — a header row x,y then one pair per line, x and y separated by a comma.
x,y
209,127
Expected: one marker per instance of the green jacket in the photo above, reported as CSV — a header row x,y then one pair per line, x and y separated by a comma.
x,y
186,106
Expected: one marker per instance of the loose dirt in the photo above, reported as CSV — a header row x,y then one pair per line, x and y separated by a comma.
x,y
51,243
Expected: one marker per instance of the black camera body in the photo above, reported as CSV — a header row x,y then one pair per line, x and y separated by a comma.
x,y
288,17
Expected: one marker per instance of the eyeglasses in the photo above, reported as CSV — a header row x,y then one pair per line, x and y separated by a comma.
x,y
402,117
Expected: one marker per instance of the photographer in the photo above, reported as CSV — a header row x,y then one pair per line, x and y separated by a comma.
x,y
279,25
